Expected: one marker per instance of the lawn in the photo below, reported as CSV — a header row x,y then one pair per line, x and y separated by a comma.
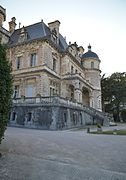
x,y
115,132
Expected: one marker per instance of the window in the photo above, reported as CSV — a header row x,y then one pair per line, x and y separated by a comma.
x,y
81,121
54,64
29,117
65,117
92,65
54,35
33,60
23,35
74,118
13,116
71,69
18,63
50,91
16,92
22,38
30,90
53,91
76,71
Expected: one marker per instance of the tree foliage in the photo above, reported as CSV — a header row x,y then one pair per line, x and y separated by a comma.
x,y
5,90
114,93
123,114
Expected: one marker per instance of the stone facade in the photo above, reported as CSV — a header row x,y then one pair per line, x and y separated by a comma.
x,y
44,65
4,34
53,113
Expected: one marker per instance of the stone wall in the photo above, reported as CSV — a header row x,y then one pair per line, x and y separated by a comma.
x,y
53,114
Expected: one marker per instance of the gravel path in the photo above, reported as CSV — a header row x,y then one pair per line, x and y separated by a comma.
x,y
30,154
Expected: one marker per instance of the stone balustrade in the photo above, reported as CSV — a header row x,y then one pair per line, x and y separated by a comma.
x,y
56,100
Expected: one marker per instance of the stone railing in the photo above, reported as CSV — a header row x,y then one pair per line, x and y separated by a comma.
x,y
46,100
33,100
55,100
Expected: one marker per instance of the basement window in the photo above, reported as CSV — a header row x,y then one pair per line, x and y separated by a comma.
x,y
29,118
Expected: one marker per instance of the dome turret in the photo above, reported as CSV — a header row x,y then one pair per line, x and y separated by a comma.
x,y
90,54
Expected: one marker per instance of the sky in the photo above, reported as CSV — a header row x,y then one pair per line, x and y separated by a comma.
x,y
102,23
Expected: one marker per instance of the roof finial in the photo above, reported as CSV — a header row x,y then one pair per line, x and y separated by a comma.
x,y
89,47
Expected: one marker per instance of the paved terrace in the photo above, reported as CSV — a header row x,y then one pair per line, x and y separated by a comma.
x,y
62,155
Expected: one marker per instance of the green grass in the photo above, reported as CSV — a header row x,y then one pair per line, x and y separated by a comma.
x,y
118,132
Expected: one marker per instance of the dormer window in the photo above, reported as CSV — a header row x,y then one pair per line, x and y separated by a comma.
x,y
54,35
54,32
23,35
54,28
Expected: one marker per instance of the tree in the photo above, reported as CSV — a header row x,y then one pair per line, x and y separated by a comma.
x,y
123,114
114,93
5,90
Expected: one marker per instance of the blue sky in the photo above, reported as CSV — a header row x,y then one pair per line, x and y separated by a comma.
x,y
98,22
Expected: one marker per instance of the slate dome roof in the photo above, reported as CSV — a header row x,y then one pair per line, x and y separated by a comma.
x,y
90,54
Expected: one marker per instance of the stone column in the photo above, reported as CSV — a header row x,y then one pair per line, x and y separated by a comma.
x,y
68,118
91,101
78,95
22,87
78,92
55,118
44,85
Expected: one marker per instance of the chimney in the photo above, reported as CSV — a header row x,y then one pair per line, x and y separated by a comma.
x,y
12,24
54,28
81,49
2,15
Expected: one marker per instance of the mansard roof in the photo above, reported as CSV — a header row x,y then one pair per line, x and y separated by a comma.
x,y
36,31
